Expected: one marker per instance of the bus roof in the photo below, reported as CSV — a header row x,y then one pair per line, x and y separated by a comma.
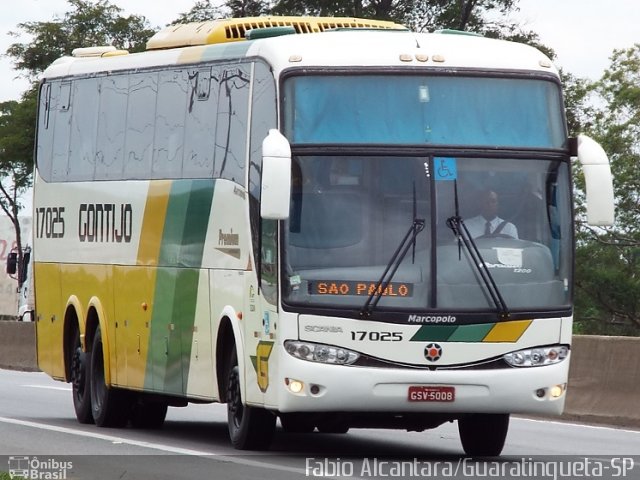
x,y
235,29
339,48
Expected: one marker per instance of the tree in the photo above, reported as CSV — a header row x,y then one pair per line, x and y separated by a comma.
x,y
608,260
486,17
247,8
466,15
88,23
17,130
201,11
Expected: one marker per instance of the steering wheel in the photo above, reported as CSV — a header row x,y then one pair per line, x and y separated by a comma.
x,y
494,235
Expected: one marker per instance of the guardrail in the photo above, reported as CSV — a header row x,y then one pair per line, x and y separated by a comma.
x,y
18,345
604,378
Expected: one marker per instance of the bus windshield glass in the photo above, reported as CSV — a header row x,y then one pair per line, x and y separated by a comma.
x,y
349,214
418,109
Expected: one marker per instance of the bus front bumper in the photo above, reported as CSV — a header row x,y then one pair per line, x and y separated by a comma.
x,y
333,388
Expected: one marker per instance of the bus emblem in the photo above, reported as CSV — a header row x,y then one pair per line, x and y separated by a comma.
x,y
261,364
433,352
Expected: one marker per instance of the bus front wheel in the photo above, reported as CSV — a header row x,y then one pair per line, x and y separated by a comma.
x,y
250,428
110,406
483,435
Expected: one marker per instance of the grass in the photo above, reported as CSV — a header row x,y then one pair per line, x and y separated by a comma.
x,y
6,476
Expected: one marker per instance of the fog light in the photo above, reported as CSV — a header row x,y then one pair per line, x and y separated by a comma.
x,y
541,392
295,386
557,390
315,389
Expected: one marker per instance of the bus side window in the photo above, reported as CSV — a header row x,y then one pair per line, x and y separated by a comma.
x,y
263,118
46,122
60,102
85,103
168,149
140,120
232,124
200,124
112,127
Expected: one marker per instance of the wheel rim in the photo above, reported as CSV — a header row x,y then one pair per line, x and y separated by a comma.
x,y
78,377
98,387
234,401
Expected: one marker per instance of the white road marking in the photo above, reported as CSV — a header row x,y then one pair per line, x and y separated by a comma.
x,y
63,389
150,445
580,425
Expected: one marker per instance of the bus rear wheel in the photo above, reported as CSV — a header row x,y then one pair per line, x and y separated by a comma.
x,y
80,382
110,406
250,428
483,435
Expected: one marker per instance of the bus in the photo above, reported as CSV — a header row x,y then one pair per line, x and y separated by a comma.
x,y
280,214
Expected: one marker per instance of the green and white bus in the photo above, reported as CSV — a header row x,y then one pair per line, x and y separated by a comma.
x,y
281,213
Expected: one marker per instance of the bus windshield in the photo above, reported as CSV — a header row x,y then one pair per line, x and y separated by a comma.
x,y
420,109
349,214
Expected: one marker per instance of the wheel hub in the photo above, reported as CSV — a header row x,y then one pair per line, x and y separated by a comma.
x,y
77,370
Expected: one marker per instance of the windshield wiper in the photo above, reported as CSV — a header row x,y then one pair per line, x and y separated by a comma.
x,y
459,229
385,279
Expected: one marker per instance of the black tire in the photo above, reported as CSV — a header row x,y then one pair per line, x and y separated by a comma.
x,y
297,423
80,382
148,415
110,407
250,428
483,435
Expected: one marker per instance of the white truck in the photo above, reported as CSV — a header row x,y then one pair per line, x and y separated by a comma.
x,y
24,302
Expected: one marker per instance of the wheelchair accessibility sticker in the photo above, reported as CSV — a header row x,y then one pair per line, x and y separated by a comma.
x,y
445,168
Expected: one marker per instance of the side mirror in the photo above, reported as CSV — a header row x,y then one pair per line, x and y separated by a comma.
x,y
26,258
598,180
12,263
276,177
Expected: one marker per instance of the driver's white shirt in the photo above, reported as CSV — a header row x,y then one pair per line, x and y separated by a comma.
x,y
476,226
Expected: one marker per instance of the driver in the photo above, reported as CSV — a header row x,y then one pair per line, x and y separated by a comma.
x,y
488,223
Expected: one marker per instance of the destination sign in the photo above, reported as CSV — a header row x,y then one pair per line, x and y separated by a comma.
x,y
364,289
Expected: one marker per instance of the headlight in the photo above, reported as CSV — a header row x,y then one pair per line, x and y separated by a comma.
x,y
316,352
536,357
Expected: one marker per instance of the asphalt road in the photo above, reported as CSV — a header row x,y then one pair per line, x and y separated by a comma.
x,y
38,428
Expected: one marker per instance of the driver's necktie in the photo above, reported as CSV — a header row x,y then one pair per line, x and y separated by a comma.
x,y
487,228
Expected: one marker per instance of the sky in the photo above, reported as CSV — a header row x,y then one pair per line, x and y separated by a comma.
x,y
583,33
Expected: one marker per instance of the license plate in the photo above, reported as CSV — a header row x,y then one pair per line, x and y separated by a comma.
x,y
421,393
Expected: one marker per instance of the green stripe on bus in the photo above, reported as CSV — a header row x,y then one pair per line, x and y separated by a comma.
x,y
433,333
225,51
176,291
470,333
450,333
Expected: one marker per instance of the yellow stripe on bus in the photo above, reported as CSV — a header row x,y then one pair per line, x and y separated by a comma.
x,y
507,331
155,212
